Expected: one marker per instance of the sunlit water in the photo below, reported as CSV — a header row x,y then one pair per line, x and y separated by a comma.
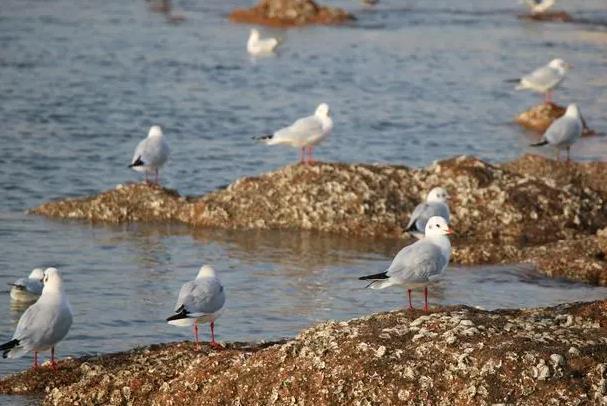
x,y
410,82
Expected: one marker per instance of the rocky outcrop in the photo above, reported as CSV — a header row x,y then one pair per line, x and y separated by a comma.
x,y
502,213
555,16
453,355
538,118
287,13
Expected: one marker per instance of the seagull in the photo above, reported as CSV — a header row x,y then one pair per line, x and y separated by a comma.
x,y
545,79
417,264
564,131
539,6
304,133
28,289
151,153
260,46
200,300
44,323
435,205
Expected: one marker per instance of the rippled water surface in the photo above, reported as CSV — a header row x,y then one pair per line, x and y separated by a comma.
x,y
409,82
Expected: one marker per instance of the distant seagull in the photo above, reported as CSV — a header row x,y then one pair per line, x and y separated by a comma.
x,y
417,264
539,6
564,131
28,289
260,46
44,323
370,2
545,79
304,133
200,301
151,153
435,205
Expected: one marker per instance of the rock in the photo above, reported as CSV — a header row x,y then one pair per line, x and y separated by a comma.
x,y
521,211
555,16
349,363
287,13
538,118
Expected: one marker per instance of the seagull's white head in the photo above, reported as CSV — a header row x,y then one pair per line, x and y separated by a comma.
x,y
206,272
322,110
559,64
438,194
572,110
436,226
52,280
37,273
254,34
155,131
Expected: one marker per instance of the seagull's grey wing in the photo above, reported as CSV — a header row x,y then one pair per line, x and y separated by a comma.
x,y
301,130
43,324
417,213
140,151
563,131
156,151
417,262
201,296
33,286
544,77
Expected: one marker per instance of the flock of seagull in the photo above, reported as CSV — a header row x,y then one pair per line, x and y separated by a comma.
x,y
48,320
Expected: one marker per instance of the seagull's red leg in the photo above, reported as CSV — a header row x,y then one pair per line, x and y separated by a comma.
x,y
157,177
35,365
214,344
196,335
568,158
310,159
558,154
425,298
302,158
410,304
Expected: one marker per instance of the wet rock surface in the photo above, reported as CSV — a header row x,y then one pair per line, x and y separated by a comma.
x,y
285,13
555,16
502,213
538,118
452,355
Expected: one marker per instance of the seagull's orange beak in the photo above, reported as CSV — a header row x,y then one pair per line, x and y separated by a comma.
x,y
450,231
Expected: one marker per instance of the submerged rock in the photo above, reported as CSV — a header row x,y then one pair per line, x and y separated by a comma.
x,y
556,16
538,118
498,211
286,13
453,355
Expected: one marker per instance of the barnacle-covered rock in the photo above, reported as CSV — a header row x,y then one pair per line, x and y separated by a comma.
x,y
538,118
287,13
452,355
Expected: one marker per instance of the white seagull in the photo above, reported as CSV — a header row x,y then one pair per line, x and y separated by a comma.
x,y
435,205
417,264
304,133
28,289
151,153
539,6
44,323
260,46
564,131
200,301
545,79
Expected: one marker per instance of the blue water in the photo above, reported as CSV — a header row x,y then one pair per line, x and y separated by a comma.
x,y
408,83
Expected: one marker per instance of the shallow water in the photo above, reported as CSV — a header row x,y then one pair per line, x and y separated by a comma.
x,y
409,83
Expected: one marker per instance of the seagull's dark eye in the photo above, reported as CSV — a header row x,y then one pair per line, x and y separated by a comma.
x,y
437,226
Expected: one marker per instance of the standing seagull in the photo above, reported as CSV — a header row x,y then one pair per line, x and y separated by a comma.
x,y
260,46
28,289
417,264
435,205
539,6
151,153
564,131
44,323
200,300
545,79
304,133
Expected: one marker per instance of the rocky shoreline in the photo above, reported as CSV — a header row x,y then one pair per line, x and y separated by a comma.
x,y
452,355
290,13
526,210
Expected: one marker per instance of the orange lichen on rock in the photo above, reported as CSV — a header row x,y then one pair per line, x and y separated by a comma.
x,y
558,16
288,13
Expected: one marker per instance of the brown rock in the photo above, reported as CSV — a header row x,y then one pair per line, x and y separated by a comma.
x,y
287,13
538,118
557,16
453,355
